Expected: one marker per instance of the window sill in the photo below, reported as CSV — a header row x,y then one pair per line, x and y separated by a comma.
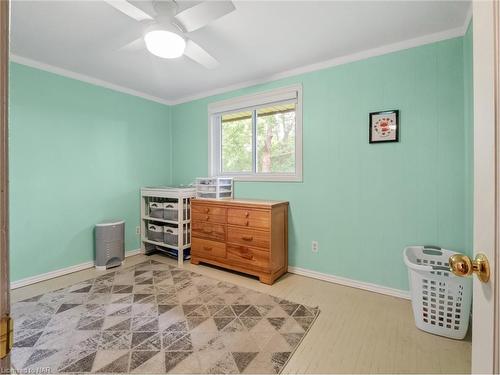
x,y
263,178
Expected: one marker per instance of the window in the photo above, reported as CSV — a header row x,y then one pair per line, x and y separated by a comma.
x,y
258,137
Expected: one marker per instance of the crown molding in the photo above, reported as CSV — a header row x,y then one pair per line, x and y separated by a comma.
x,y
468,19
84,78
362,55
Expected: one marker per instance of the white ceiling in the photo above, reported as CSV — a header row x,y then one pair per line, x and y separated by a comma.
x,y
258,40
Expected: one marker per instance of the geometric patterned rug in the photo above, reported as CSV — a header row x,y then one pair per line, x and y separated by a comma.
x,y
156,318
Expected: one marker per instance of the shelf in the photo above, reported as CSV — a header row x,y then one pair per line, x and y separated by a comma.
x,y
162,244
164,221
181,197
172,255
168,192
220,185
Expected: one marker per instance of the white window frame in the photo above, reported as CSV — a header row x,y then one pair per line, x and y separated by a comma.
x,y
250,102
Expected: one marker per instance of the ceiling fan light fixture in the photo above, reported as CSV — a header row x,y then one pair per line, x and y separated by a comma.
x,y
165,44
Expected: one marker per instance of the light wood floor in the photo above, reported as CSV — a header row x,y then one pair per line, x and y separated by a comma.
x,y
356,331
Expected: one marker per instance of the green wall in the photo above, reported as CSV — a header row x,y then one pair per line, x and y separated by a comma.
x,y
78,154
364,203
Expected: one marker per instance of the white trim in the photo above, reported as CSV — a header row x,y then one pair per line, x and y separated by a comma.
x,y
281,94
351,283
362,55
251,102
84,78
468,18
103,268
61,272
267,178
132,253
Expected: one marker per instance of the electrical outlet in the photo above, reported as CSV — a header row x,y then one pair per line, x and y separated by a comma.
x,y
314,246
137,230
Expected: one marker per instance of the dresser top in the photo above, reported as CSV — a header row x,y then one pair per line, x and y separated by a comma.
x,y
239,202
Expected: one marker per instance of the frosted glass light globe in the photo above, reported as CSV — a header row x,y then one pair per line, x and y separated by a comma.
x,y
165,44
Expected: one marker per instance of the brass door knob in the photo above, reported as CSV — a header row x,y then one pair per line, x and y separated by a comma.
x,y
462,265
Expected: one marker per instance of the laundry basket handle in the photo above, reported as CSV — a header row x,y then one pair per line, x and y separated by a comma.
x,y
431,247
419,267
430,250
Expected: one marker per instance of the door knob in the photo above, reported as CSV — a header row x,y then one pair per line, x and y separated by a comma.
x,y
462,265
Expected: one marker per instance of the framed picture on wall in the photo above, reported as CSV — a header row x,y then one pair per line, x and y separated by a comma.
x,y
384,126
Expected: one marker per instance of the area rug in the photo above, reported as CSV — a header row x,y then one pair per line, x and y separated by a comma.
x,y
156,318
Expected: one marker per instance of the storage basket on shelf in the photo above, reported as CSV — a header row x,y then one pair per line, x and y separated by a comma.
x,y
171,211
441,301
170,235
156,210
155,232
214,187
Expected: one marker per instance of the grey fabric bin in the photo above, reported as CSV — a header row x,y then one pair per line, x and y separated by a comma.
x,y
156,210
170,236
155,232
171,211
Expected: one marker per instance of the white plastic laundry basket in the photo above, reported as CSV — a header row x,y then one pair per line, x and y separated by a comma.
x,y
441,301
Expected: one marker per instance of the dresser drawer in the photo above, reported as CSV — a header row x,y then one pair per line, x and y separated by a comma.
x,y
207,209
208,248
248,257
249,218
210,218
209,230
248,237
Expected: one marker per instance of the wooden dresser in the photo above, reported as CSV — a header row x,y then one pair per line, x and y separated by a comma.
x,y
249,236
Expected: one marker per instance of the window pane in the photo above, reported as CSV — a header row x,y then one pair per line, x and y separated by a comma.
x,y
236,129
276,139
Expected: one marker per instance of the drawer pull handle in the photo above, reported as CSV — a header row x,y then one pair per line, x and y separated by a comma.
x,y
247,223
207,248
247,238
207,217
247,256
247,214
207,210
207,230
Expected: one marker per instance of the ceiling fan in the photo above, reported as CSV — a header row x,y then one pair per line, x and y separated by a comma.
x,y
164,32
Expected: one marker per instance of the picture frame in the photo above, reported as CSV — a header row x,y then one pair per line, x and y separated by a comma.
x,y
384,126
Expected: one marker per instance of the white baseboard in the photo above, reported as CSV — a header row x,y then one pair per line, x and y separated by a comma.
x,y
351,283
131,253
296,270
61,272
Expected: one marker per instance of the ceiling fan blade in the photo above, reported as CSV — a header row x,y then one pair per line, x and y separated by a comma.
x,y
134,45
202,14
129,9
199,55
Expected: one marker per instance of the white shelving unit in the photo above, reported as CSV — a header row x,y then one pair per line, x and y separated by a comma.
x,y
181,196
